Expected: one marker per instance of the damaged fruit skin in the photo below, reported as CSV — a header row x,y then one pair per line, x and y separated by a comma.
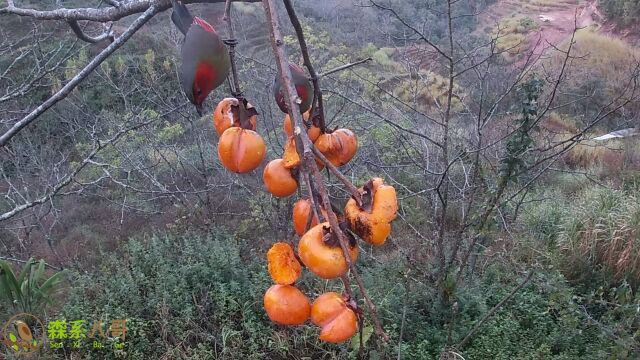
x,y
338,322
339,147
224,116
241,150
290,157
373,222
323,259
286,305
282,264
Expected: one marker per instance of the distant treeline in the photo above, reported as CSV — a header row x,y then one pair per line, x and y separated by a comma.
x,y
622,11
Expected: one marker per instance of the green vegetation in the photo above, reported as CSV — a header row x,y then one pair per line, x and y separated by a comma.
x,y
200,297
155,231
623,11
29,290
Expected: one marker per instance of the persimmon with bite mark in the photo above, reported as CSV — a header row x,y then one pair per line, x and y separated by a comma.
x,y
283,266
290,157
372,221
227,115
339,147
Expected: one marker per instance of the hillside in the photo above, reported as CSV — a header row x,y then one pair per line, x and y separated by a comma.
x,y
440,190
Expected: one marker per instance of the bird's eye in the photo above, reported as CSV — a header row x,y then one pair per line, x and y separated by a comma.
x,y
198,92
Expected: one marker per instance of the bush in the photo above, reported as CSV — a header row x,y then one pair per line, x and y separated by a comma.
x,y
200,297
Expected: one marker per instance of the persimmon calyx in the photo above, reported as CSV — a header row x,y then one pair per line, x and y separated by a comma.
x,y
243,111
331,238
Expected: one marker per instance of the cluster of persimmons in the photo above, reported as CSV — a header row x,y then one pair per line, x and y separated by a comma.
x,y
241,150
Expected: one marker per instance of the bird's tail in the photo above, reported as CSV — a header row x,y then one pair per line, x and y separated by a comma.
x,y
181,16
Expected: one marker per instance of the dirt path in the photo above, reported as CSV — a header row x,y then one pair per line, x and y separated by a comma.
x,y
556,26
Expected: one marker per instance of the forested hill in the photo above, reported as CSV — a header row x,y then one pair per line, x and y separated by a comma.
x,y
464,184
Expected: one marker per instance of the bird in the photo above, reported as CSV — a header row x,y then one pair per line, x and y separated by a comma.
x,y
624,133
304,88
204,57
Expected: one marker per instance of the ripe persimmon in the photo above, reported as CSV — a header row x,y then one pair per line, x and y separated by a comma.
x,y
301,212
372,221
323,258
286,305
337,320
338,147
313,131
241,150
227,115
278,179
282,264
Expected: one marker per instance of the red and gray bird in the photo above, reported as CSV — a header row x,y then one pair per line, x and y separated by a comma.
x,y
303,85
205,59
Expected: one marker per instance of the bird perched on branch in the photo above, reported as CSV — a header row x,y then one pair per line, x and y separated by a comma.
x,y
303,87
205,59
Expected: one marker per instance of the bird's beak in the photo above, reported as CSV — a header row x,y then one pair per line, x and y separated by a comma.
x,y
199,110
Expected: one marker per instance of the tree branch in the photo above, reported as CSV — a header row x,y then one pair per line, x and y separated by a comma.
x,y
108,34
101,14
76,80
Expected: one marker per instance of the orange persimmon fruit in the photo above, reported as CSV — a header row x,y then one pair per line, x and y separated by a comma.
x,y
321,257
282,264
241,150
338,322
278,179
226,115
313,131
372,222
338,147
286,305
301,212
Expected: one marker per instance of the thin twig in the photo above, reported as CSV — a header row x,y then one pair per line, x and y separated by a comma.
x,y
66,90
343,67
317,106
334,170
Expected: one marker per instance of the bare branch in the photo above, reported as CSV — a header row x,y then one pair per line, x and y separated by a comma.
x,y
108,34
101,14
76,80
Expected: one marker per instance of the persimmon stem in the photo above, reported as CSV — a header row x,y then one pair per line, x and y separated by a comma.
x,y
308,160
232,42
236,91
355,193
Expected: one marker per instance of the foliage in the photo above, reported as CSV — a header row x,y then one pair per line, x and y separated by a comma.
x,y
29,290
189,296
622,11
